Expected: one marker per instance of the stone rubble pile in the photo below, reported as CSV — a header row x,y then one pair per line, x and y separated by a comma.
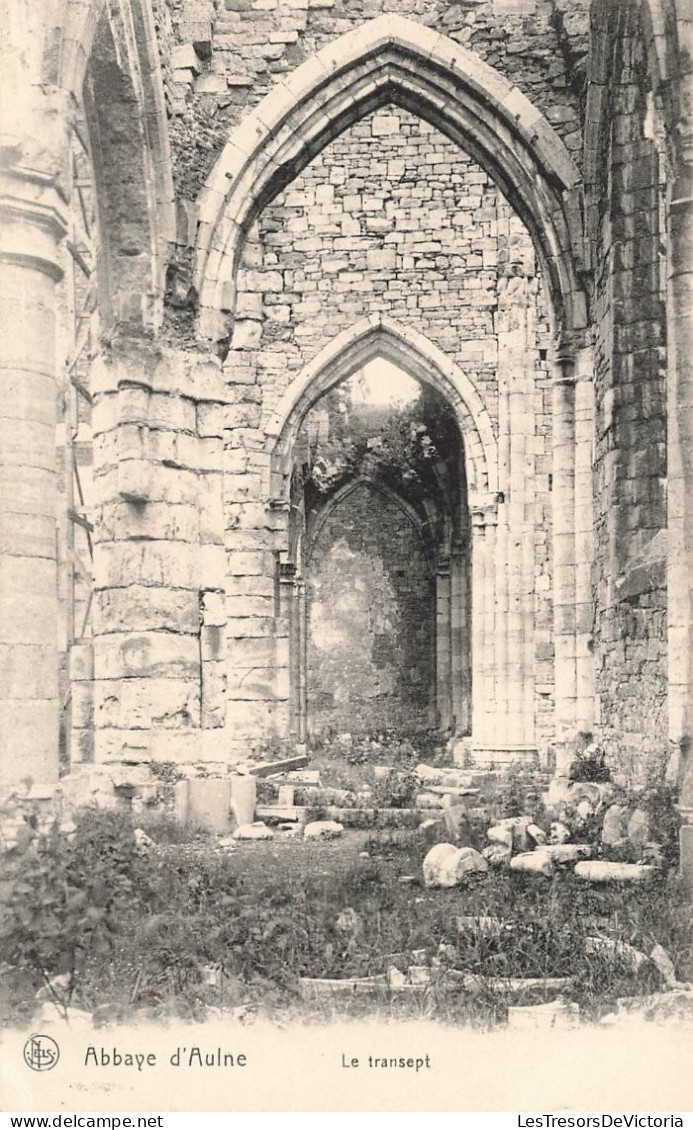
x,y
579,827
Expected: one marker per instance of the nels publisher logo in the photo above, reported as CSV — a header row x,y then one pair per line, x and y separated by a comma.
x,y
41,1053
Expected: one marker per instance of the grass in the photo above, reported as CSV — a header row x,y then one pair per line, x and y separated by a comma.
x,y
269,913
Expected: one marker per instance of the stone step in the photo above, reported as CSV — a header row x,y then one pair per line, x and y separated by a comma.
x,y
360,818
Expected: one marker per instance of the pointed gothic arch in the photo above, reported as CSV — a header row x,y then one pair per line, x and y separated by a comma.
x,y
380,336
391,59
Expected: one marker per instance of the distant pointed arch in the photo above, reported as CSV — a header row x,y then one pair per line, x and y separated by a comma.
x,y
391,59
369,339
355,483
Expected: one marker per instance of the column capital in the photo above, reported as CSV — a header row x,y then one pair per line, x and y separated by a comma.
x,y
483,509
484,517
683,142
33,221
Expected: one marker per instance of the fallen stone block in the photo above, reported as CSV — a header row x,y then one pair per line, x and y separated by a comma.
x,y
510,986
665,965
76,1018
451,791
304,777
455,821
673,1007
256,831
446,865
615,826
430,775
144,842
567,853
638,828
319,988
560,832
432,831
381,772
498,855
612,947
205,802
395,978
484,924
285,795
428,800
535,1017
536,834
598,794
322,830
324,796
279,813
537,862
419,975
243,798
269,768
500,834
597,871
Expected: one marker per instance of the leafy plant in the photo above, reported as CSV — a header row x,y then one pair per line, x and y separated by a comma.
x,y
397,789
63,896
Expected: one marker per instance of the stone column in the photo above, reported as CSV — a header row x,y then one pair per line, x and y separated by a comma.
x,y
515,567
32,223
564,575
484,521
584,540
159,562
443,645
681,431
303,663
460,641
288,643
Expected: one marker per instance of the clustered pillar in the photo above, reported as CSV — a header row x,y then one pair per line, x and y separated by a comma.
x,y
564,559
31,227
681,361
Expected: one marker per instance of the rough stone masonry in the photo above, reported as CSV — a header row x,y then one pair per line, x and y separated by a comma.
x,y
215,213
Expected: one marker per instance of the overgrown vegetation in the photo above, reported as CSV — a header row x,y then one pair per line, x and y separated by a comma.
x,y
180,927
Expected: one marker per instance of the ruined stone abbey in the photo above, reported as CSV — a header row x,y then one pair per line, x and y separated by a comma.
x,y
222,221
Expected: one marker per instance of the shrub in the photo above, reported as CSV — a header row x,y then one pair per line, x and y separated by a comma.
x,y
397,789
64,895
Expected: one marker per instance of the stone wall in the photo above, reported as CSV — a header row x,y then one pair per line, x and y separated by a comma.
x,y
392,218
631,457
229,55
371,646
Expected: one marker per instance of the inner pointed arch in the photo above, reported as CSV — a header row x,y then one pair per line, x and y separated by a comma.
x,y
380,336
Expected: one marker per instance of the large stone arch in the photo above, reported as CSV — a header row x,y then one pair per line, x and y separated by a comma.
x,y
110,68
382,336
392,59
